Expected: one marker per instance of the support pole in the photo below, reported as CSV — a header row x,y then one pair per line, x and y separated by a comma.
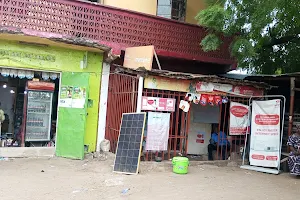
x,y
292,99
103,104
140,95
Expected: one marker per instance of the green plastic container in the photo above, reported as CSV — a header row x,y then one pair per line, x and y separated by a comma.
x,y
180,165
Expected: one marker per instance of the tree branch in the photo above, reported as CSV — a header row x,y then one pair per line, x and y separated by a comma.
x,y
282,40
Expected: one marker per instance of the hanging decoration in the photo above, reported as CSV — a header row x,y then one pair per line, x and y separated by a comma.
x,y
45,75
184,105
188,97
196,98
14,73
53,76
203,99
29,74
5,72
218,100
21,74
210,100
225,100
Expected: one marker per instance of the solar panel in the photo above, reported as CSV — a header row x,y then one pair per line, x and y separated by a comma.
x,y
130,143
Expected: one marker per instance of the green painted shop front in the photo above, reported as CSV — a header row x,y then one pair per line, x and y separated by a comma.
x,y
76,127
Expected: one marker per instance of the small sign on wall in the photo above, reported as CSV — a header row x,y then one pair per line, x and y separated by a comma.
x,y
158,104
200,138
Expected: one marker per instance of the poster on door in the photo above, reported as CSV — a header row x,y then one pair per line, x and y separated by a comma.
x,y
265,133
238,119
157,131
66,93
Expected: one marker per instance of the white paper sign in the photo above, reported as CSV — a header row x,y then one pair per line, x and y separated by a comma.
x,y
238,118
184,105
265,133
157,131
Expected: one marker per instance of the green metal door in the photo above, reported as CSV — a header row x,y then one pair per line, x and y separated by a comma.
x,y
72,115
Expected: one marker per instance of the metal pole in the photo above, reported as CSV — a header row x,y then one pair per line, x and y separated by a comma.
x,y
292,99
140,95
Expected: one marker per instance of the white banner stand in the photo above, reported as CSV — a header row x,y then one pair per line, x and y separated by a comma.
x,y
258,168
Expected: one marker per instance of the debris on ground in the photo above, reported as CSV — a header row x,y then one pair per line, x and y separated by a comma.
x,y
113,182
3,159
105,145
101,156
80,190
125,191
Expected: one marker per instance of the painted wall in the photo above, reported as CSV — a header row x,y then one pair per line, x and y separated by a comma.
x,y
66,60
192,9
150,7
144,6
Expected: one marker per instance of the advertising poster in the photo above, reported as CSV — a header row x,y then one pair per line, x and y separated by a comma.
x,y
157,131
78,98
265,133
66,93
238,119
158,104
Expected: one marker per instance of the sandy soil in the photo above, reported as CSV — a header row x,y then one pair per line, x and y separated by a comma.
x,y
63,179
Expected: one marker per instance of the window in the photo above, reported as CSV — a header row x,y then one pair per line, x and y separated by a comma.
x,y
95,1
172,9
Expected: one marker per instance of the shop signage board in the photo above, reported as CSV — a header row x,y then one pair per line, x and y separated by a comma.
x,y
29,55
247,90
164,83
40,85
265,133
136,57
158,104
157,131
238,119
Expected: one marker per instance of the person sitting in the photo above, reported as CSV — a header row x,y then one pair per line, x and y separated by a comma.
x,y
294,156
218,138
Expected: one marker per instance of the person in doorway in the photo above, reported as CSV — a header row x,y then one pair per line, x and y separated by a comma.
x,y
218,138
294,157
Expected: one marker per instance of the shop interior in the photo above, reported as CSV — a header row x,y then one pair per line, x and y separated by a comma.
x,y
206,119
28,118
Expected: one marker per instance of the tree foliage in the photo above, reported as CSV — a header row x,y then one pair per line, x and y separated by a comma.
x,y
266,32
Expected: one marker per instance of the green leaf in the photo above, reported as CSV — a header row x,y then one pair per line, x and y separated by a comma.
x,y
210,42
213,17
268,32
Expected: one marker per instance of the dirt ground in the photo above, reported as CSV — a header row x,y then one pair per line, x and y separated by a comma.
x,y
63,179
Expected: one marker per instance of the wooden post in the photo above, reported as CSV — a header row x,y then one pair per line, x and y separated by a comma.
x,y
292,99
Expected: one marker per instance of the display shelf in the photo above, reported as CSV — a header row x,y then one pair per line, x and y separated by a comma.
x,y
39,106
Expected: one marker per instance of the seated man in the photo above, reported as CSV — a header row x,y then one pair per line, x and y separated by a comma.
x,y
218,138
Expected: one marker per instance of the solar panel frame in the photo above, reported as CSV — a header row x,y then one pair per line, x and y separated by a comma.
x,y
134,126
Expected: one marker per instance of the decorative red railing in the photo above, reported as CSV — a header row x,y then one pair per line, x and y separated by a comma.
x,y
109,26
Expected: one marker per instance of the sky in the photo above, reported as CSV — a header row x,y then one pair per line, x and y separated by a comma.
x,y
238,71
